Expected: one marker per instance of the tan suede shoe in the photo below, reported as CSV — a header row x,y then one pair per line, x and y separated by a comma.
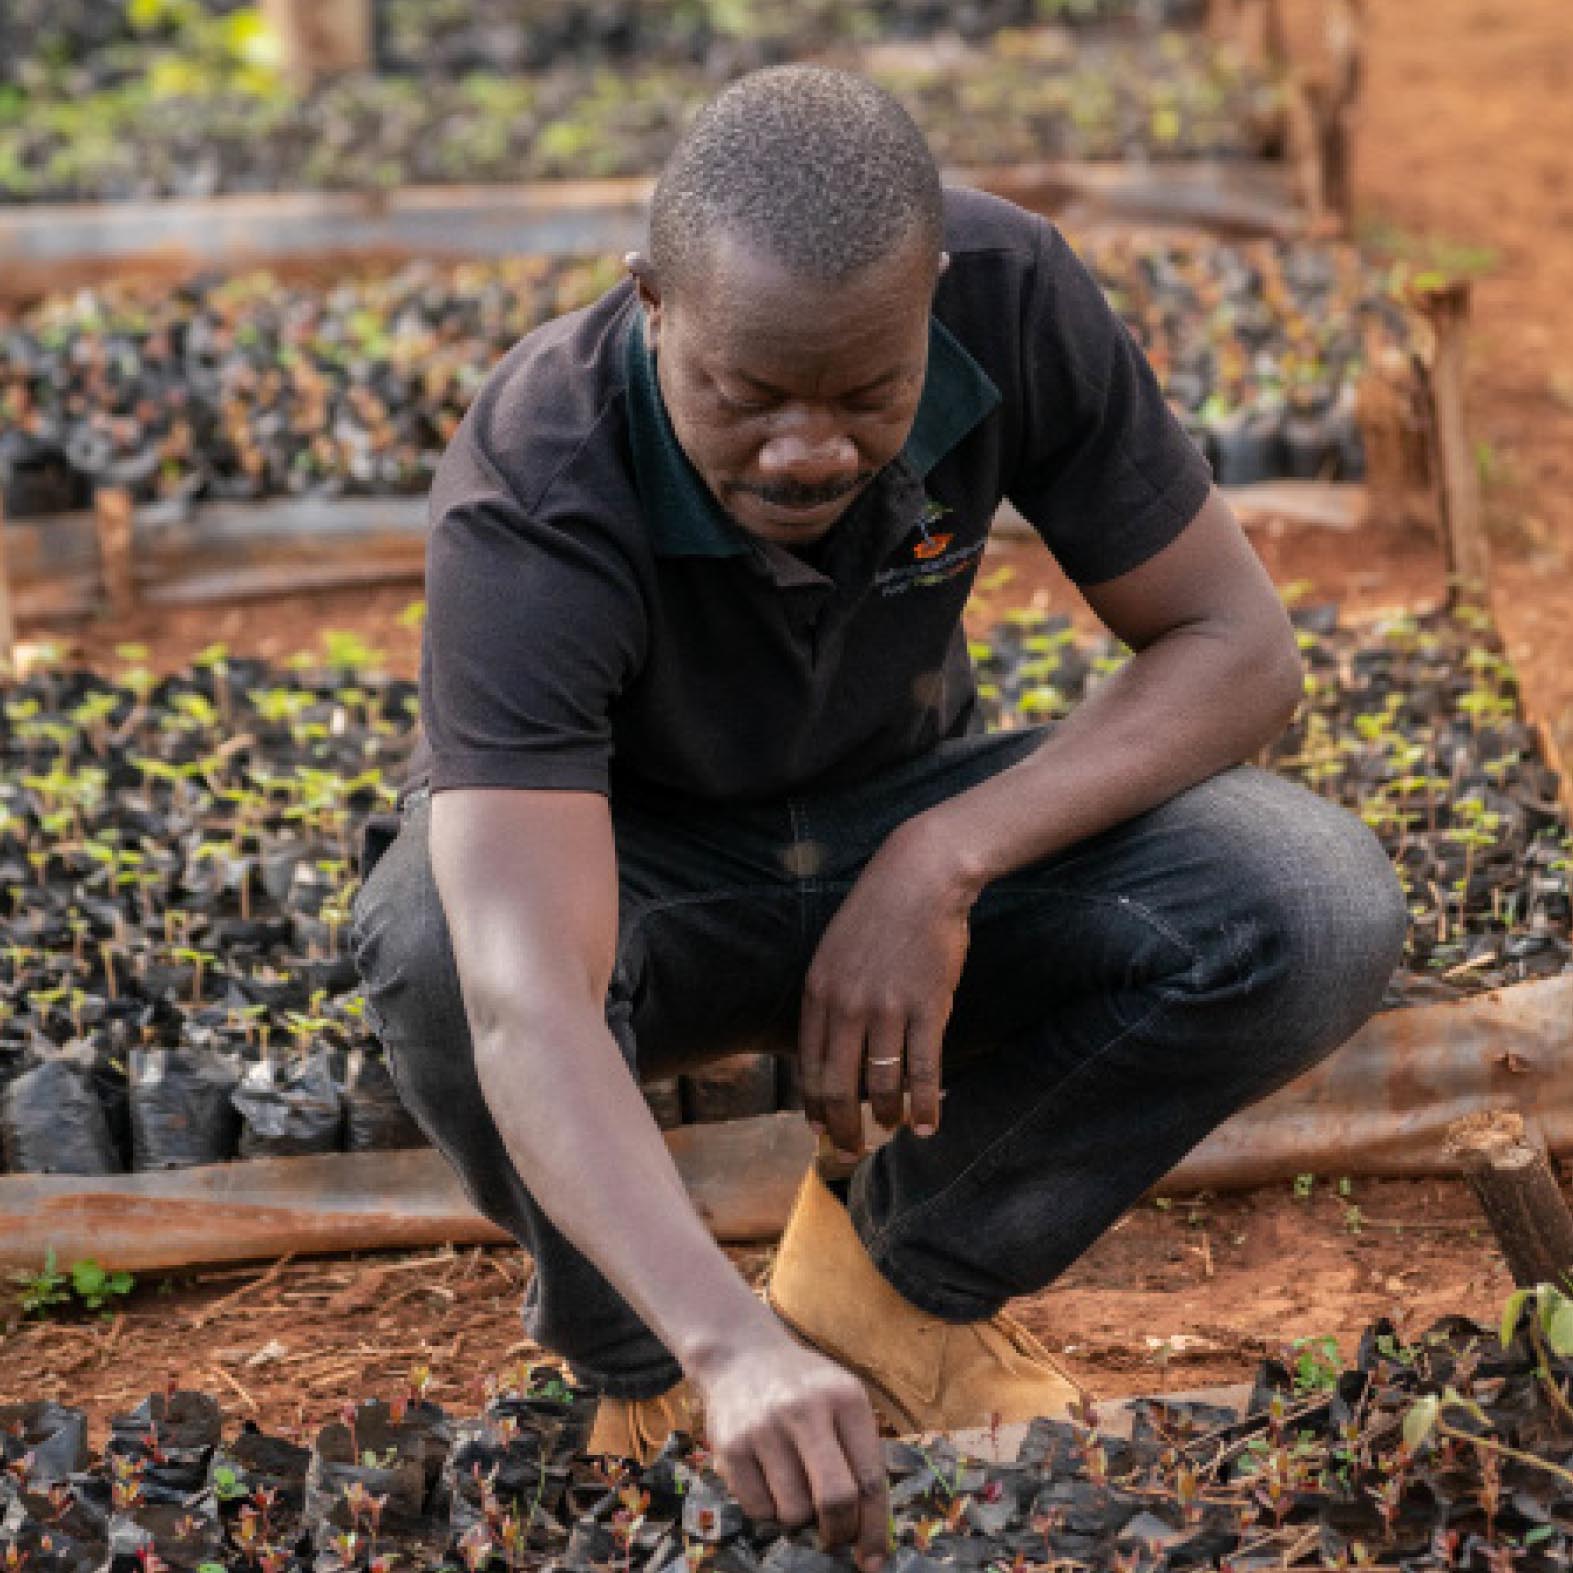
x,y
922,1373
637,1428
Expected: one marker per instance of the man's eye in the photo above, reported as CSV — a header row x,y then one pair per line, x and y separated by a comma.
x,y
744,406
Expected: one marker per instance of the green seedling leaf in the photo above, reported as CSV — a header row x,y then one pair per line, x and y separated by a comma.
x,y
227,1484
1421,1421
1559,1323
1511,1313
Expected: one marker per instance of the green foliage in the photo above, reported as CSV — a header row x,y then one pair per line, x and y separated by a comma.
x,y
1551,1321
227,1485
44,1292
86,1284
1316,1365
96,1286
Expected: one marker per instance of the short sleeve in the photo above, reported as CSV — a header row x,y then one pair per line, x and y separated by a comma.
x,y
1107,475
532,632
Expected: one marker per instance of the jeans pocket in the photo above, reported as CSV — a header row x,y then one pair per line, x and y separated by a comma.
x,y
378,833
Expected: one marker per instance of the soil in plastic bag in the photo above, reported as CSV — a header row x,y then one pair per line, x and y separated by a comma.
x,y
399,1460
289,1108
52,1437
374,1118
181,1109
51,1122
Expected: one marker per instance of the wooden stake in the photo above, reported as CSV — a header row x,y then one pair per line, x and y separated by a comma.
x,y
1518,1193
1464,543
7,611
1346,75
114,517
321,38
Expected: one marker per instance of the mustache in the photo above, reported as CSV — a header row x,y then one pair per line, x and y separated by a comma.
x,y
786,496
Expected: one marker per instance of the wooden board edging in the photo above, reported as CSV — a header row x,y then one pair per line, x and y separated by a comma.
x,y
50,246
1379,1106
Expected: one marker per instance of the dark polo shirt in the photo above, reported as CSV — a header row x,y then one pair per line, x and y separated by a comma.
x,y
596,622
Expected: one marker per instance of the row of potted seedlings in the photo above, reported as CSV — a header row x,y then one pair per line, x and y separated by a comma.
x,y
179,860
75,46
1032,94
1444,1453
1414,724
244,387
471,35
178,857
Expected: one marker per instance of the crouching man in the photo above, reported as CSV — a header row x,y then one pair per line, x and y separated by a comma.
x,y
702,769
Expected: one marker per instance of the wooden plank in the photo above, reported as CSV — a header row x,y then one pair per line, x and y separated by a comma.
x,y
1381,1105
1332,505
742,1177
49,246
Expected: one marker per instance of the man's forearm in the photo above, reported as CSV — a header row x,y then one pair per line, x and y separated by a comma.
x,y
588,1150
1194,702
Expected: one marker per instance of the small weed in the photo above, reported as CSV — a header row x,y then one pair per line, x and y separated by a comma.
x,y
1316,1365
45,1292
85,1284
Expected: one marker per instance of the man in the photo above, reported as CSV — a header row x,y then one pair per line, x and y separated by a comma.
x,y
703,772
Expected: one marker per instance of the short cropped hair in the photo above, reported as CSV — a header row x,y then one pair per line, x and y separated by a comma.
x,y
821,169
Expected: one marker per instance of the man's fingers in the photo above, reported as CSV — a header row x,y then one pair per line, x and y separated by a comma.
x,y
746,1481
840,1093
811,1059
859,1437
830,1479
925,1045
786,1479
883,1068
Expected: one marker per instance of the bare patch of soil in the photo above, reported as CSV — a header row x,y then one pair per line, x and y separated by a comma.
x,y
1183,1294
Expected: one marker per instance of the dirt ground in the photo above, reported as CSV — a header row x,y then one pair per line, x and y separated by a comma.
x,y
1182,1293
1463,155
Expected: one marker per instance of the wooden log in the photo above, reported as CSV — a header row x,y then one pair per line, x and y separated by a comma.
x,y
1519,1195
1464,542
321,38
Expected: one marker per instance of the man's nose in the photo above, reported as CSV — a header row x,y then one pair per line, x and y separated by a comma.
x,y
809,458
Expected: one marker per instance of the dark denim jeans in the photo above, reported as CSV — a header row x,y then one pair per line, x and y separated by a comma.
x,y
1118,1001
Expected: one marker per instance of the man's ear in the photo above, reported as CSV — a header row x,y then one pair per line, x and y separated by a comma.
x,y
643,274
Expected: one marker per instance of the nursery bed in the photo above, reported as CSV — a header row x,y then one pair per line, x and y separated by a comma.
x,y
1375,1107
1435,1450
1283,359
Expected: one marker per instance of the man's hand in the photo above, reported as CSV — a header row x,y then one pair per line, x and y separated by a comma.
x,y
796,1442
880,989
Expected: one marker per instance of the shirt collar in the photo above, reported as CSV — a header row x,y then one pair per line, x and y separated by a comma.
x,y
686,521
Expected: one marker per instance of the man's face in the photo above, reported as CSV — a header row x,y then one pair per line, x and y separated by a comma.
x,y
789,396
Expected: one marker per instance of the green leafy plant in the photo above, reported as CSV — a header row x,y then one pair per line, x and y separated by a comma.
x,y
86,1284
43,1292
1316,1365
97,1286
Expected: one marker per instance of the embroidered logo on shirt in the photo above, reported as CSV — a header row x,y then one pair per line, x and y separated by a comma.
x,y
933,558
